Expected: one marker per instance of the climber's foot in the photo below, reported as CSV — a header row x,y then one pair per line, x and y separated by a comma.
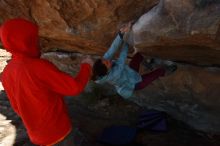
x,y
170,69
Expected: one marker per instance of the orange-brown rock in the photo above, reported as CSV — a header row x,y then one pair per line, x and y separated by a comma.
x,y
179,30
86,26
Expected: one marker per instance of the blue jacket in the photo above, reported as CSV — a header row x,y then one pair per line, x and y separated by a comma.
x,y
120,75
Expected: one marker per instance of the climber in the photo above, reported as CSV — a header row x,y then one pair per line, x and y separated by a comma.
x,y
125,78
35,87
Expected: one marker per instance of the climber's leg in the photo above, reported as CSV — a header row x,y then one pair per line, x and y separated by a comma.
x,y
136,61
149,78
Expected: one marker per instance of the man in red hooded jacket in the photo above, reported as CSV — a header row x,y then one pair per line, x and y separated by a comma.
x,y
35,87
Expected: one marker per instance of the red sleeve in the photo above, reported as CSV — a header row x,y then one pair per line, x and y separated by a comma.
x,y
60,82
83,76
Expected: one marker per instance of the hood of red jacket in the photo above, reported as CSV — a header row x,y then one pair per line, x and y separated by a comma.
x,y
20,37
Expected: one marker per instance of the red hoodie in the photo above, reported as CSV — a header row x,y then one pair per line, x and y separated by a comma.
x,y
35,87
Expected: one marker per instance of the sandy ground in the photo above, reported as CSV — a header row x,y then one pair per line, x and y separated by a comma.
x,y
4,56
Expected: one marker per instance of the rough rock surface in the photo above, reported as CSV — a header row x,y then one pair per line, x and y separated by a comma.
x,y
180,30
191,94
99,111
81,26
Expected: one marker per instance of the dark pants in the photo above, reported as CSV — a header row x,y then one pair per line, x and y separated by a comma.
x,y
75,138
148,77
68,140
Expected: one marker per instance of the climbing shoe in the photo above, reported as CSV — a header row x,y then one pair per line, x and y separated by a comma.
x,y
170,69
